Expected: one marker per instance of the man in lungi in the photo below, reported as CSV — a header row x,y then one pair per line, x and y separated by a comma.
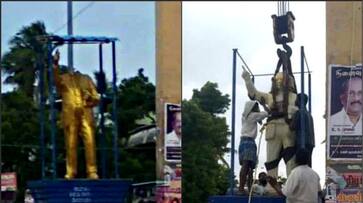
x,y
247,148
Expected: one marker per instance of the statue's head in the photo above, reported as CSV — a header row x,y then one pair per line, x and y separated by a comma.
x,y
278,82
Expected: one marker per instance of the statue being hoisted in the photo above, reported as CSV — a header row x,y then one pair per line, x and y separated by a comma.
x,y
79,96
280,100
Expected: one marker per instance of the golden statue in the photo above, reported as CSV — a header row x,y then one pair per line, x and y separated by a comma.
x,y
79,96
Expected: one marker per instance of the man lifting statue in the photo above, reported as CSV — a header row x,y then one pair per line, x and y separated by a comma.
x,y
79,96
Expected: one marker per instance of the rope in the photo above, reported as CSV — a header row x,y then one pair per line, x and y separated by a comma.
x,y
258,153
284,8
278,8
75,16
239,55
306,62
288,6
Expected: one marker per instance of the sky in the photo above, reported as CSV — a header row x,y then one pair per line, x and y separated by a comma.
x,y
212,29
133,23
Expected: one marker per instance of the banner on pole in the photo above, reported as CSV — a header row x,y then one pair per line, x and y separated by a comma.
x,y
8,182
344,135
173,134
344,182
344,113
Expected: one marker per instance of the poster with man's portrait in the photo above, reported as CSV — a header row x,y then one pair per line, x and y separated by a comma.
x,y
173,134
344,112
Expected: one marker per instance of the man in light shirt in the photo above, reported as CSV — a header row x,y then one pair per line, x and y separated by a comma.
x,y
247,148
302,185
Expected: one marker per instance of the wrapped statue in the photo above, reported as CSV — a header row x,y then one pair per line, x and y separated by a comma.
x,y
79,96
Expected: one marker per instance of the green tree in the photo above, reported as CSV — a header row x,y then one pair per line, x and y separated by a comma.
x,y
20,138
205,138
20,141
20,113
136,100
210,99
26,53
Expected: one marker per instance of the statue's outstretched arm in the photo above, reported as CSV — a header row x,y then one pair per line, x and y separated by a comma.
x,y
261,97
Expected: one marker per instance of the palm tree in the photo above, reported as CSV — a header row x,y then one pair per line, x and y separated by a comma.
x,y
26,50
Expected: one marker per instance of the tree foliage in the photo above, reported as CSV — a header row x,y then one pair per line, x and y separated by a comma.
x,y
20,138
136,99
205,137
210,99
26,52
